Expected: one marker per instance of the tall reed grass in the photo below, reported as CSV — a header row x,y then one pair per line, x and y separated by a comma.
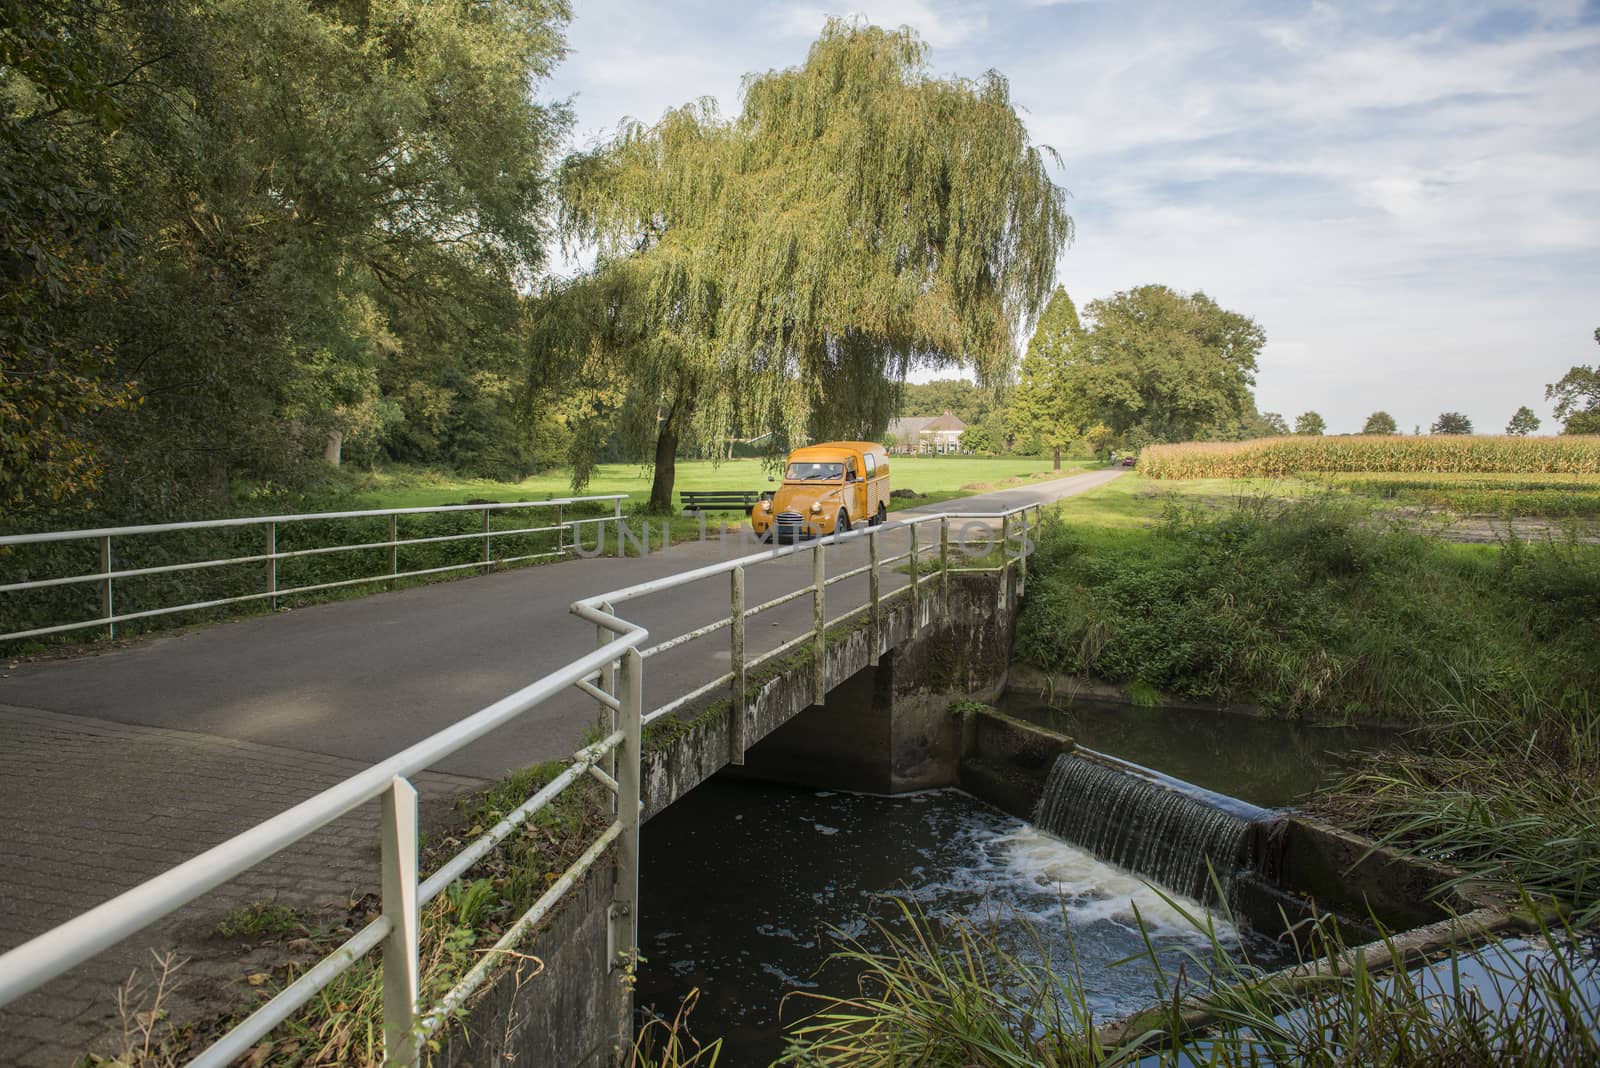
x,y
948,995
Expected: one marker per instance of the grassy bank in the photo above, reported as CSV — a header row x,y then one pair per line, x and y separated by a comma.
x,y
1309,604
1304,603
1305,607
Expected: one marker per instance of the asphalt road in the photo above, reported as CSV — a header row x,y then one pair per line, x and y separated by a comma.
x,y
118,764
363,678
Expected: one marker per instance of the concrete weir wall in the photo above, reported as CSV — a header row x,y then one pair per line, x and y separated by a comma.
x,y
1297,866
884,727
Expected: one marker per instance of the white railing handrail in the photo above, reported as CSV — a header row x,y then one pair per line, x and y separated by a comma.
x,y
295,517
617,665
722,567
43,958
107,576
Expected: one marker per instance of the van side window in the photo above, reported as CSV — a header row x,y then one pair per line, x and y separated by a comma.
x,y
872,465
850,469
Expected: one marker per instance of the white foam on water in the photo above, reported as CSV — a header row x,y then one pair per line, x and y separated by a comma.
x,y
1088,889
1038,877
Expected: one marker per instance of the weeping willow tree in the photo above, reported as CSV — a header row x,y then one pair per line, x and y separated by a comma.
x,y
783,271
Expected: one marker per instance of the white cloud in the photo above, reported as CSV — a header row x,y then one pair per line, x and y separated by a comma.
x,y
1406,196
941,25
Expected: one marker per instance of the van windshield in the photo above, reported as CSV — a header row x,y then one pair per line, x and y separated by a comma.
x,y
813,472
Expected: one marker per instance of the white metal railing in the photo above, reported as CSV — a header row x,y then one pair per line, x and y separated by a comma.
x,y
1013,546
396,930
613,675
107,574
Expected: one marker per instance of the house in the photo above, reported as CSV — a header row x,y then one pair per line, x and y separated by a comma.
x,y
937,434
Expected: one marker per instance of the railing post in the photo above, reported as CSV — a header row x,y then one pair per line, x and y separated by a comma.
x,y
916,590
486,560
400,966
819,627
872,592
107,601
394,550
622,917
736,733
944,559
272,563
1005,542
617,509
608,683
561,533
1022,554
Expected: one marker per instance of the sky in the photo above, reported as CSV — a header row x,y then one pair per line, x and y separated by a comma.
x,y
1406,196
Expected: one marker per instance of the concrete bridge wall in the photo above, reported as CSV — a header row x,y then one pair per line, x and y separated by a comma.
x,y
885,727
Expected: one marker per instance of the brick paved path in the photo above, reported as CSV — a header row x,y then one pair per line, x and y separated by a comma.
x,y
89,809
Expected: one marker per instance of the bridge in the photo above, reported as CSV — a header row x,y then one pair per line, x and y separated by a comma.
x,y
122,765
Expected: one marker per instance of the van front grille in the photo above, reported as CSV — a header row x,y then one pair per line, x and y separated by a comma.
x,y
790,517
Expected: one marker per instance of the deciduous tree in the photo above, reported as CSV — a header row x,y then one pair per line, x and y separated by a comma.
x,y
1451,423
784,270
1311,424
1577,398
1380,422
259,207
1273,423
1172,366
1523,423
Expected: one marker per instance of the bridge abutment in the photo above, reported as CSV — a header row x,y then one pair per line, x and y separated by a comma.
x,y
884,727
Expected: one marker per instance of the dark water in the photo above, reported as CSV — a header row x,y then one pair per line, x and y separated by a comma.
x,y
741,883
1267,762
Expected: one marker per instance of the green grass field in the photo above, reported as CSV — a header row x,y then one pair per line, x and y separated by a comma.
x,y
1134,501
939,478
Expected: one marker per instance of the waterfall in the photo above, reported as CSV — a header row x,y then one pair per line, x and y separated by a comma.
x,y
1156,826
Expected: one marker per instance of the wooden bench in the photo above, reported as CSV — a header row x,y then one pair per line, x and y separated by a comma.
x,y
719,500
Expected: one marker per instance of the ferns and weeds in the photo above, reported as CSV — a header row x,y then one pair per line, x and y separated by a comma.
x,y
343,1023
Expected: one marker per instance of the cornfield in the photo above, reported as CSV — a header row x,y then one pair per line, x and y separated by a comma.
x,y
1441,454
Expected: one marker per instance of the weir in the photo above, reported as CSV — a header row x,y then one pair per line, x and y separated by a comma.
x,y
1186,839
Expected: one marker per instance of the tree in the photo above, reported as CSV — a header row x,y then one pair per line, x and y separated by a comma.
x,y
1380,422
1042,408
979,439
1175,366
785,270
1523,423
1310,424
258,208
1577,399
1451,423
1273,424
958,396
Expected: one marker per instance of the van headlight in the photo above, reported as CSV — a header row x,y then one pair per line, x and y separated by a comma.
x,y
816,509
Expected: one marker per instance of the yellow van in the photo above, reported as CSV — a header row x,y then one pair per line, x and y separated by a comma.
x,y
827,489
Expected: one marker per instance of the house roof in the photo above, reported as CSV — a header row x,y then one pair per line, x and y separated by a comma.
x,y
945,422
906,429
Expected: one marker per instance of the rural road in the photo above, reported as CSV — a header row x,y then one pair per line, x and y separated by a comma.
x,y
119,764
